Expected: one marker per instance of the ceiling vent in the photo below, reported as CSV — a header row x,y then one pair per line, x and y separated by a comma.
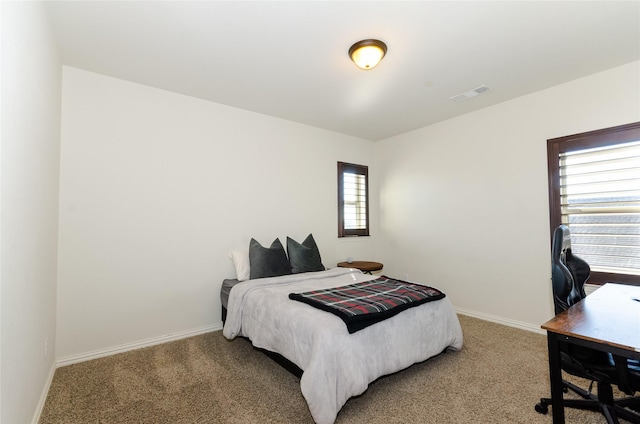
x,y
469,94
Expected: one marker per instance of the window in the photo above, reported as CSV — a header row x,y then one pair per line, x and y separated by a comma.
x,y
353,200
594,188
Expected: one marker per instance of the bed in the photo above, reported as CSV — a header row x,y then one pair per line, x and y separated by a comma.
x,y
335,364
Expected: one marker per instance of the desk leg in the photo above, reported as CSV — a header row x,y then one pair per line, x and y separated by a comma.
x,y
555,378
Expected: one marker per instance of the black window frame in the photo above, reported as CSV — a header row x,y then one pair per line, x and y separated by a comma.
x,y
592,139
344,167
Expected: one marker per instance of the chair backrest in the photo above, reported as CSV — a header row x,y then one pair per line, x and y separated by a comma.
x,y
569,273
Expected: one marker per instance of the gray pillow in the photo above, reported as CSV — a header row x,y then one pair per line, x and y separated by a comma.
x,y
267,262
304,257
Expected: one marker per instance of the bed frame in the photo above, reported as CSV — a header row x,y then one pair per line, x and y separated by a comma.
x,y
279,359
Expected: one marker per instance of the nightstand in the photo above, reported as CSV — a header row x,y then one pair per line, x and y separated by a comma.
x,y
364,266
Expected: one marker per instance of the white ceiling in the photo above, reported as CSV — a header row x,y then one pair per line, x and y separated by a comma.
x,y
289,59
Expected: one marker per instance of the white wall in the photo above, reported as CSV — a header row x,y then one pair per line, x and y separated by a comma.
x,y
156,188
464,203
29,209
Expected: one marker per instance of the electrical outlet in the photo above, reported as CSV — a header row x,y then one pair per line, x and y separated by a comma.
x,y
406,277
46,347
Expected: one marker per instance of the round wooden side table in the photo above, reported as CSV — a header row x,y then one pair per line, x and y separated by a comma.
x,y
364,266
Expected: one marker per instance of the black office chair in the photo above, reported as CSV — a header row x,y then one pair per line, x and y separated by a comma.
x,y
569,274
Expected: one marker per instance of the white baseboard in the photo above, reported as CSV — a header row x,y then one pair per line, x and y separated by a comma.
x,y
43,395
101,353
588,288
500,320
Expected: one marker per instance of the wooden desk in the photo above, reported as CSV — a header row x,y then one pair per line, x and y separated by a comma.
x,y
364,266
606,320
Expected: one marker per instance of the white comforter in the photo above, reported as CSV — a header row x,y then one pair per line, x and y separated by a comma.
x,y
336,365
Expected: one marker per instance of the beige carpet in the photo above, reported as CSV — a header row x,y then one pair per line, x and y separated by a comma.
x,y
497,377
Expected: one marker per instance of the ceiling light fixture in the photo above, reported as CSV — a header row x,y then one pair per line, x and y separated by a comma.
x,y
366,54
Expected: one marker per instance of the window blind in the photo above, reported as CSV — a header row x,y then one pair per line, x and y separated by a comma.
x,y
355,201
600,202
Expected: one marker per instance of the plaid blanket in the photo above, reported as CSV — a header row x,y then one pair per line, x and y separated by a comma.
x,y
363,304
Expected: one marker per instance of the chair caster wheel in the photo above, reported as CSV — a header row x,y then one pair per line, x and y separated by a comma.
x,y
542,409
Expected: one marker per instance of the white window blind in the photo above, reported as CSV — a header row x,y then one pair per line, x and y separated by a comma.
x,y
355,201
600,202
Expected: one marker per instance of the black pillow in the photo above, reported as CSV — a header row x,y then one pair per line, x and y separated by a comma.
x,y
304,257
267,262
